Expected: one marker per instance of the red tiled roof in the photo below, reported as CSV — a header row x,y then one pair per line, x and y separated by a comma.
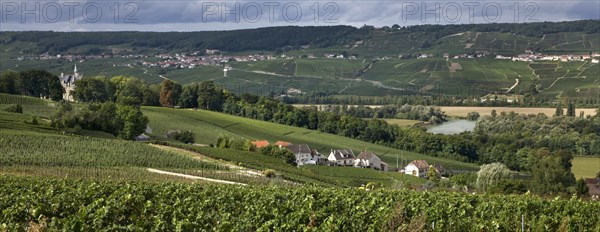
x,y
282,143
260,143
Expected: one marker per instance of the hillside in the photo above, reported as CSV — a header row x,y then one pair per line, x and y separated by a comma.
x,y
504,37
377,61
46,151
208,125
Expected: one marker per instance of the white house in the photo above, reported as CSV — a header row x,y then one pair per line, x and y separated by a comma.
x,y
302,152
343,157
367,159
317,158
417,168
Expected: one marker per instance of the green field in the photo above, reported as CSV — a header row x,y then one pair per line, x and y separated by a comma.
x,y
368,75
585,167
46,151
208,125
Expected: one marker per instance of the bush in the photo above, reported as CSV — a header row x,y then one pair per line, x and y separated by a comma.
x,y
16,108
473,116
269,173
184,137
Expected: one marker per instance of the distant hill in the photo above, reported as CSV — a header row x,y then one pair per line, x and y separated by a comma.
x,y
503,38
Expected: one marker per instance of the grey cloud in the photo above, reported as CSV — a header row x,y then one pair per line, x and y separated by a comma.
x,y
182,15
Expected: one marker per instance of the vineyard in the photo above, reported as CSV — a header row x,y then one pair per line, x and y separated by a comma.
x,y
320,175
31,153
77,205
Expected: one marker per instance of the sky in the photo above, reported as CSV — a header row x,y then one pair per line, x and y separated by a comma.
x,y
187,15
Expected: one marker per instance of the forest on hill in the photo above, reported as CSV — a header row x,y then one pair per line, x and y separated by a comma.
x,y
272,38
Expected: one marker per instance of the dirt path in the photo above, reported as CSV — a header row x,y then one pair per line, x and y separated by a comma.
x,y
192,177
514,86
239,169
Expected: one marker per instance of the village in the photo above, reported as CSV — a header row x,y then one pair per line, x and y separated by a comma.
x,y
346,158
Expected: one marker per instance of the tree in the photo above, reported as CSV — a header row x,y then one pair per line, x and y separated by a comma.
x,y
167,93
17,108
210,97
473,116
93,89
490,175
189,96
55,89
559,110
184,137
9,82
395,27
581,188
551,173
571,109
134,122
433,174
494,114
151,95
40,83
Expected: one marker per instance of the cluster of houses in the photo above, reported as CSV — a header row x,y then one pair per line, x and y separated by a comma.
x,y
346,157
212,57
530,57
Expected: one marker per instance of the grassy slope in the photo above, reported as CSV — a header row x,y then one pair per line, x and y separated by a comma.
x,y
585,167
45,151
209,125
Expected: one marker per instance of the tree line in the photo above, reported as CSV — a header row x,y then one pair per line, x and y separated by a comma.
x,y
271,38
34,83
529,143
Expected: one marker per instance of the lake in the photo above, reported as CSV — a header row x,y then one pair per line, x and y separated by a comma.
x,y
453,127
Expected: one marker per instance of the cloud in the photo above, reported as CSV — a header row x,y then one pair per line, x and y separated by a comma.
x,y
185,15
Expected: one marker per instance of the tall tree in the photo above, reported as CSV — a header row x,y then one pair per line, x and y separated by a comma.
x,y
210,96
490,175
134,122
169,93
559,110
571,109
55,89
189,96
9,82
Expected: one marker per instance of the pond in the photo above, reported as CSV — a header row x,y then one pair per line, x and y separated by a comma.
x,y
453,127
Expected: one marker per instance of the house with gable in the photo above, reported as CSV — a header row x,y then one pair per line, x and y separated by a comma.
x,y
302,152
341,157
367,159
417,168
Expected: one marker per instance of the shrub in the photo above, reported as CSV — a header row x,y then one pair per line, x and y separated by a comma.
x,y
269,173
184,137
16,108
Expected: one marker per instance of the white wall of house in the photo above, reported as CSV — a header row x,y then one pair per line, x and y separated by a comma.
x,y
411,169
302,158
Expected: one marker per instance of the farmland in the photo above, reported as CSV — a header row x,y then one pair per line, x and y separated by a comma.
x,y
585,167
209,125
110,158
90,205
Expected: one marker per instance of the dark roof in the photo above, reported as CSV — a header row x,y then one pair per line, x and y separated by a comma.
x,y
591,180
300,148
592,184
365,155
343,154
420,164
439,168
